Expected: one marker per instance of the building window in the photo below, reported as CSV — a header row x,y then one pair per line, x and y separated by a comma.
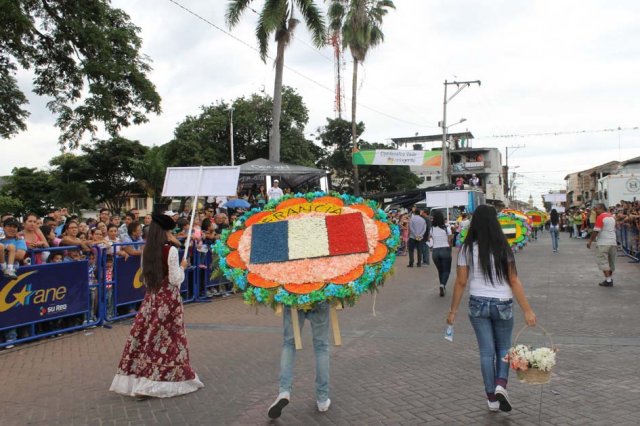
x,y
141,203
428,178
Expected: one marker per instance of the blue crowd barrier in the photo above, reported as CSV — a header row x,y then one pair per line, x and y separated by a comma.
x,y
206,285
47,299
629,241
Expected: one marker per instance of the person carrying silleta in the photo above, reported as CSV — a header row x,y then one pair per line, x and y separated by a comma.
x,y
318,316
417,228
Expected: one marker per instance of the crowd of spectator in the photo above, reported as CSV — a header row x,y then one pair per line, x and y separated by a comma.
x,y
63,237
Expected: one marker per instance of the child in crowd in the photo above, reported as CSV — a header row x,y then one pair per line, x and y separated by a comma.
x,y
13,249
108,281
55,257
93,286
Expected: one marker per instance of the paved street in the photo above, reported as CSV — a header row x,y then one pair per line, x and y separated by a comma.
x,y
392,368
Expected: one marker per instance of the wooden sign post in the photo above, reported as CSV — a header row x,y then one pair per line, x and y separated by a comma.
x,y
337,339
296,328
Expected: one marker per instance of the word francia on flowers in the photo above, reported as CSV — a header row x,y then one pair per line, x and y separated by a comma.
x,y
307,248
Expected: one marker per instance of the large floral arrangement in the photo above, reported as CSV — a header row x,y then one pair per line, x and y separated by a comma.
x,y
515,227
303,249
523,357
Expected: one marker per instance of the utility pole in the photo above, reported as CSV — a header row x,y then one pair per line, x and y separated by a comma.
x,y
507,186
231,132
445,154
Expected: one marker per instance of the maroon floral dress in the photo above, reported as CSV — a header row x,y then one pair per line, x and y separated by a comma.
x,y
155,361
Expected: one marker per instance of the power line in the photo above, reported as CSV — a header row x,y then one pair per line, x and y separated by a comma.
x,y
288,67
560,133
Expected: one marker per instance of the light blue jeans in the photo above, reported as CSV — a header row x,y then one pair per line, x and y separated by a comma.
x,y
492,320
555,236
319,319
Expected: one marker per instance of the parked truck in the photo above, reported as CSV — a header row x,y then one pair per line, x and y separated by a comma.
x,y
613,189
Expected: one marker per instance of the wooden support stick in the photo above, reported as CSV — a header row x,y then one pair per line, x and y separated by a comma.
x,y
296,328
337,339
279,309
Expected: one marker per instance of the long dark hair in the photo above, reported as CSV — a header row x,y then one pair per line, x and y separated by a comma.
x,y
152,270
494,254
554,217
438,220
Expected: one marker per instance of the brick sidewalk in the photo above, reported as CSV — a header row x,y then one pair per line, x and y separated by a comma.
x,y
392,368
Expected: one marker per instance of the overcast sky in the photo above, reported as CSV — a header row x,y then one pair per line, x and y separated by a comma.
x,y
545,66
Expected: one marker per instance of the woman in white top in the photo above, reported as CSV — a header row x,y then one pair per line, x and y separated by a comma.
x,y
487,263
441,254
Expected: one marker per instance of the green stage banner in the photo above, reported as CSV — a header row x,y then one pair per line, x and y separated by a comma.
x,y
388,157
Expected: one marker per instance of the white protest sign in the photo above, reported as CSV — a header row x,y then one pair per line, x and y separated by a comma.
x,y
183,181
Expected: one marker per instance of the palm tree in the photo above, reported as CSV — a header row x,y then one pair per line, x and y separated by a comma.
x,y
277,17
360,22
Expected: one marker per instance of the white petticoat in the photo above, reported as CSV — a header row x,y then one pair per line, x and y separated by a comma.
x,y
134,386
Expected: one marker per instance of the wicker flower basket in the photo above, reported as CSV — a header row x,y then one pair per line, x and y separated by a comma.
x,y
534,376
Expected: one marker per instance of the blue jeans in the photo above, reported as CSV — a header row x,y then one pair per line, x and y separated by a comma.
x,y
425,252
492,320
319,319
442,259
555,235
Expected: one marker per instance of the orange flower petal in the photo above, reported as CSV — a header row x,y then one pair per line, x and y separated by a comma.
x,y
378,254
257,281
368,211
256,218
234,260
383,230
331,200
290,203
234,239
349,276
305,288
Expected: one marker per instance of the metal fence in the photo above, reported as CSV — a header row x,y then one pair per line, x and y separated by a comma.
x,y
47,299
629,240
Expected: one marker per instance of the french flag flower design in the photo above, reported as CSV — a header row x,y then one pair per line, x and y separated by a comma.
x,y
309,248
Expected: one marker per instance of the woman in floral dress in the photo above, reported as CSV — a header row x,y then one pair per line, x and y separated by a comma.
x,y
155,361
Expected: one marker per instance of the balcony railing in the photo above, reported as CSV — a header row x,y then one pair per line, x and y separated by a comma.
x,y
472,166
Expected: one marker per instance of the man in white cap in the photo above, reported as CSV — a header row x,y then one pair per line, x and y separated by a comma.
x,y
275,192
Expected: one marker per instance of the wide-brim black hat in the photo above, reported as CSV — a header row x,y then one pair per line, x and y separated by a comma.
x,y
164,221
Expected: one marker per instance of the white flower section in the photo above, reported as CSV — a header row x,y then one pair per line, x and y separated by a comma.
x,y
542,358
308,238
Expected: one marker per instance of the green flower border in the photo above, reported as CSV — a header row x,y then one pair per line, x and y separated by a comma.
x,y
372,278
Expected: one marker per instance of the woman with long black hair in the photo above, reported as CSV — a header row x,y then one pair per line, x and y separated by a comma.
x,y
441,253
487,263
554,229
155,361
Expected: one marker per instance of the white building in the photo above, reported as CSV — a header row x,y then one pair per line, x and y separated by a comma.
x,y
465,161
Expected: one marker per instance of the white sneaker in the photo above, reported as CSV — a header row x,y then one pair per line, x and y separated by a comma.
x,y
493,405
276,408
503,398
324,405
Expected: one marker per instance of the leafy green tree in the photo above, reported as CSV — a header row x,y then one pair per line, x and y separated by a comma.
x,y
32,187
277,19
10,205
86,59
68,178
204,139
336,138
150,172
112,164
360,24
